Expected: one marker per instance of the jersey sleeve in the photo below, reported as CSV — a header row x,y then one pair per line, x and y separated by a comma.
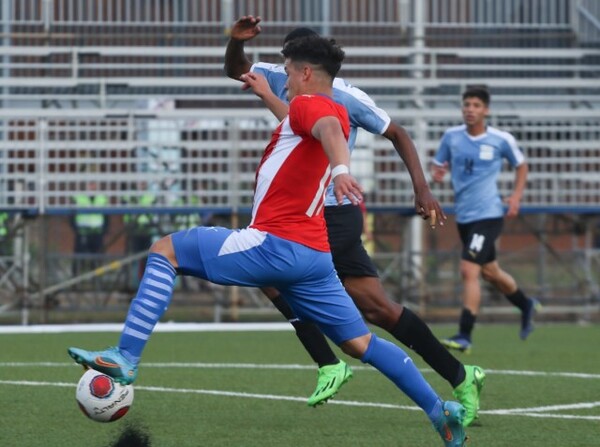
x,y
510,150
362,110
275,76
443,153
306,110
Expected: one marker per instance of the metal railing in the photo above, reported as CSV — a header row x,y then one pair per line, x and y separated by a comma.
x,y
187,21
119,77
207,158
161,12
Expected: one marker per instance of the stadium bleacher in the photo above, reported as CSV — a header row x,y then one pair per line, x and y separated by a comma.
x,y
124,91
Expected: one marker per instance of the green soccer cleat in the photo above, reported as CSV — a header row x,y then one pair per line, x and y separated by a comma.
x,y
450,426
459,342
329,381
469,391
110,362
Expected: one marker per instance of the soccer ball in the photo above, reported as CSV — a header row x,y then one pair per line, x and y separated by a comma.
x,y
101,398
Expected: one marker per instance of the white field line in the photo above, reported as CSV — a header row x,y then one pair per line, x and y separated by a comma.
x,y
520,411
537,412
160,327
292,366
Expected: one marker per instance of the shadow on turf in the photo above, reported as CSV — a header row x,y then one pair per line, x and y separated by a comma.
x,y
132,436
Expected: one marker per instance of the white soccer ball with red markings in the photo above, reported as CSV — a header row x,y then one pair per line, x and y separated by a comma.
x,y
101,398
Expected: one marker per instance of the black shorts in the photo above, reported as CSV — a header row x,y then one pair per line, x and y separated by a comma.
x,y
479,240
344,227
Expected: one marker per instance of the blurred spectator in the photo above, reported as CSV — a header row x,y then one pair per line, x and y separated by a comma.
x,y
142,227
5,246
90,228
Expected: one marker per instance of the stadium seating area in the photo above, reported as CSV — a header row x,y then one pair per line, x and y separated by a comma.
x,y
121,92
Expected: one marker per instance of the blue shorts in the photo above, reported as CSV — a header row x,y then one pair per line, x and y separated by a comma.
x,y
253,258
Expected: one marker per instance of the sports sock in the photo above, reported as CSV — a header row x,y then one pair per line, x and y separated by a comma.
x,y
467,321
150,303
309,335
411,331
518,299
393,362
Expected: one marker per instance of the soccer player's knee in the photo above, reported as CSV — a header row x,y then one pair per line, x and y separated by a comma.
x,y
270,292
384,317
163,247
356,347
469,274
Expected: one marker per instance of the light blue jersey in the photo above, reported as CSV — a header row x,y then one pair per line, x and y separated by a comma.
x,y
475,163
362,110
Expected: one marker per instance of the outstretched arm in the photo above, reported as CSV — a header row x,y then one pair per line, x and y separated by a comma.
x,y
261,88
426,204
236,61
329,132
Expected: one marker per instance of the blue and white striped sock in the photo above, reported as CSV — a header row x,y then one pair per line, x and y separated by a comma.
x,y
148,306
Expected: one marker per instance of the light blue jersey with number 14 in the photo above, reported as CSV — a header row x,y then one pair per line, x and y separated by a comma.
x,y
475,163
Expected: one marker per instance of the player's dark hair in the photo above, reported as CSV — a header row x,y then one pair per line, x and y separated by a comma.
x,y
315,50
299,32
477,91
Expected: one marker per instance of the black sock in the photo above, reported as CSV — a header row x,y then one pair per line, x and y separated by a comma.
x,y
518,299
467,321
414,333
309,334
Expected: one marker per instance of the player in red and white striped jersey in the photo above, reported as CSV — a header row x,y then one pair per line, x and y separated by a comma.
x,y
286,244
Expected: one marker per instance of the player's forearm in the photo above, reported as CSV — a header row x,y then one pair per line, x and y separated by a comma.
x,y
275,105
336,149
520,180
236,61
408,153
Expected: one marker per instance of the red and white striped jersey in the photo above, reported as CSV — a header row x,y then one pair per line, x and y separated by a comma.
x,y
293,175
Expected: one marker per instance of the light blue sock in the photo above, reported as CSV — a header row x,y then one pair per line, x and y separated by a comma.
x,y
152,299
393,362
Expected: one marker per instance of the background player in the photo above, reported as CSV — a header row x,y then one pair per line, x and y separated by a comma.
x,y
474,152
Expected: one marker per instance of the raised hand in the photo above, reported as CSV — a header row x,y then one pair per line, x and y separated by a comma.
x,y
246,28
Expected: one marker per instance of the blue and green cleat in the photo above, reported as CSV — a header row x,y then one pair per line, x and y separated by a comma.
x,y
110,362
459,342
450,425
533,307
329,380
469,392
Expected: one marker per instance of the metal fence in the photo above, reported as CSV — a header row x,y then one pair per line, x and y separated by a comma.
x,y
183,22
207,158
129,95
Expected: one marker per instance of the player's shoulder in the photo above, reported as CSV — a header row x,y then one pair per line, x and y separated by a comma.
x,y
501,134
312,98
346,91
265,66
362,110
455,130
313,102
344,86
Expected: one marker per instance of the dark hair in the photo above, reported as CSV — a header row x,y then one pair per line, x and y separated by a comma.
x,y
299,32
316,50
477,91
